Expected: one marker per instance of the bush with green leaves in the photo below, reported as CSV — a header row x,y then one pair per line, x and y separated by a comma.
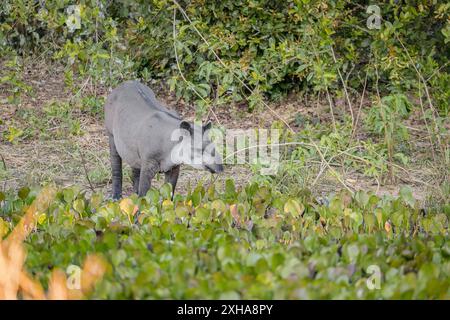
x,y
248,243
266,48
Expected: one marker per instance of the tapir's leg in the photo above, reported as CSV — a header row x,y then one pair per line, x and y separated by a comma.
x,y
116,167
148,170
172,177
135,179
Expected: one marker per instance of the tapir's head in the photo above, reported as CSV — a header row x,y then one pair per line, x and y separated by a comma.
x,y
196,149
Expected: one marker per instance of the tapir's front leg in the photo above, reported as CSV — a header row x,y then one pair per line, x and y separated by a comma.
x,y
172,177
116,168
135,179
148,170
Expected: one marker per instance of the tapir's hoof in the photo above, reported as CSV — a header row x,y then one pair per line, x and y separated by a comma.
x,y
112,198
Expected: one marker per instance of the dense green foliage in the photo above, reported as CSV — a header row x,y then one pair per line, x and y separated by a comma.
x,y
267,48
242,243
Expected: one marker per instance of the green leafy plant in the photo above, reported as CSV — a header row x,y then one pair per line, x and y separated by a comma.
x,y
211,51
13,134
11,77
385,119
249,242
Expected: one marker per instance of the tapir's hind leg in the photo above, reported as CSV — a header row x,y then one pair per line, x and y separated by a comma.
x,y
135,179
116,167
171,177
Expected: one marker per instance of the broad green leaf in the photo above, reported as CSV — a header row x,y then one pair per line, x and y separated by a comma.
x,y
152,196
181,211
23,193
294,208
219,206
202,214
166,191
79,205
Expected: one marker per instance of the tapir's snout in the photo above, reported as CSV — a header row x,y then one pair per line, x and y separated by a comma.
x,y
219,168
216,168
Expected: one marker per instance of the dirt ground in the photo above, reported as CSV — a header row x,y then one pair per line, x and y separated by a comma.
x,y
84,159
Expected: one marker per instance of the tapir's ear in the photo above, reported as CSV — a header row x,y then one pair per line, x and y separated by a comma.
x,y
207,126
186,126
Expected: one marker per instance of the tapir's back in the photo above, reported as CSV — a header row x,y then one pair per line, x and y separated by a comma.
x,y
129,104
140,125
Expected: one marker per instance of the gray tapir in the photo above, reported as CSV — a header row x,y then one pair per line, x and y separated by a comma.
x,y
151,138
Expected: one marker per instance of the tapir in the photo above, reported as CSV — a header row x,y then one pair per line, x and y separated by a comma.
x,y
151,138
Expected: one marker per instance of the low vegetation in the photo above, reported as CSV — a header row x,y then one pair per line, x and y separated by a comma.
x,y
250,243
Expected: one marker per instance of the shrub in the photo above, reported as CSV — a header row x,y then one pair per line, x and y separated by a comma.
x,y
266,48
